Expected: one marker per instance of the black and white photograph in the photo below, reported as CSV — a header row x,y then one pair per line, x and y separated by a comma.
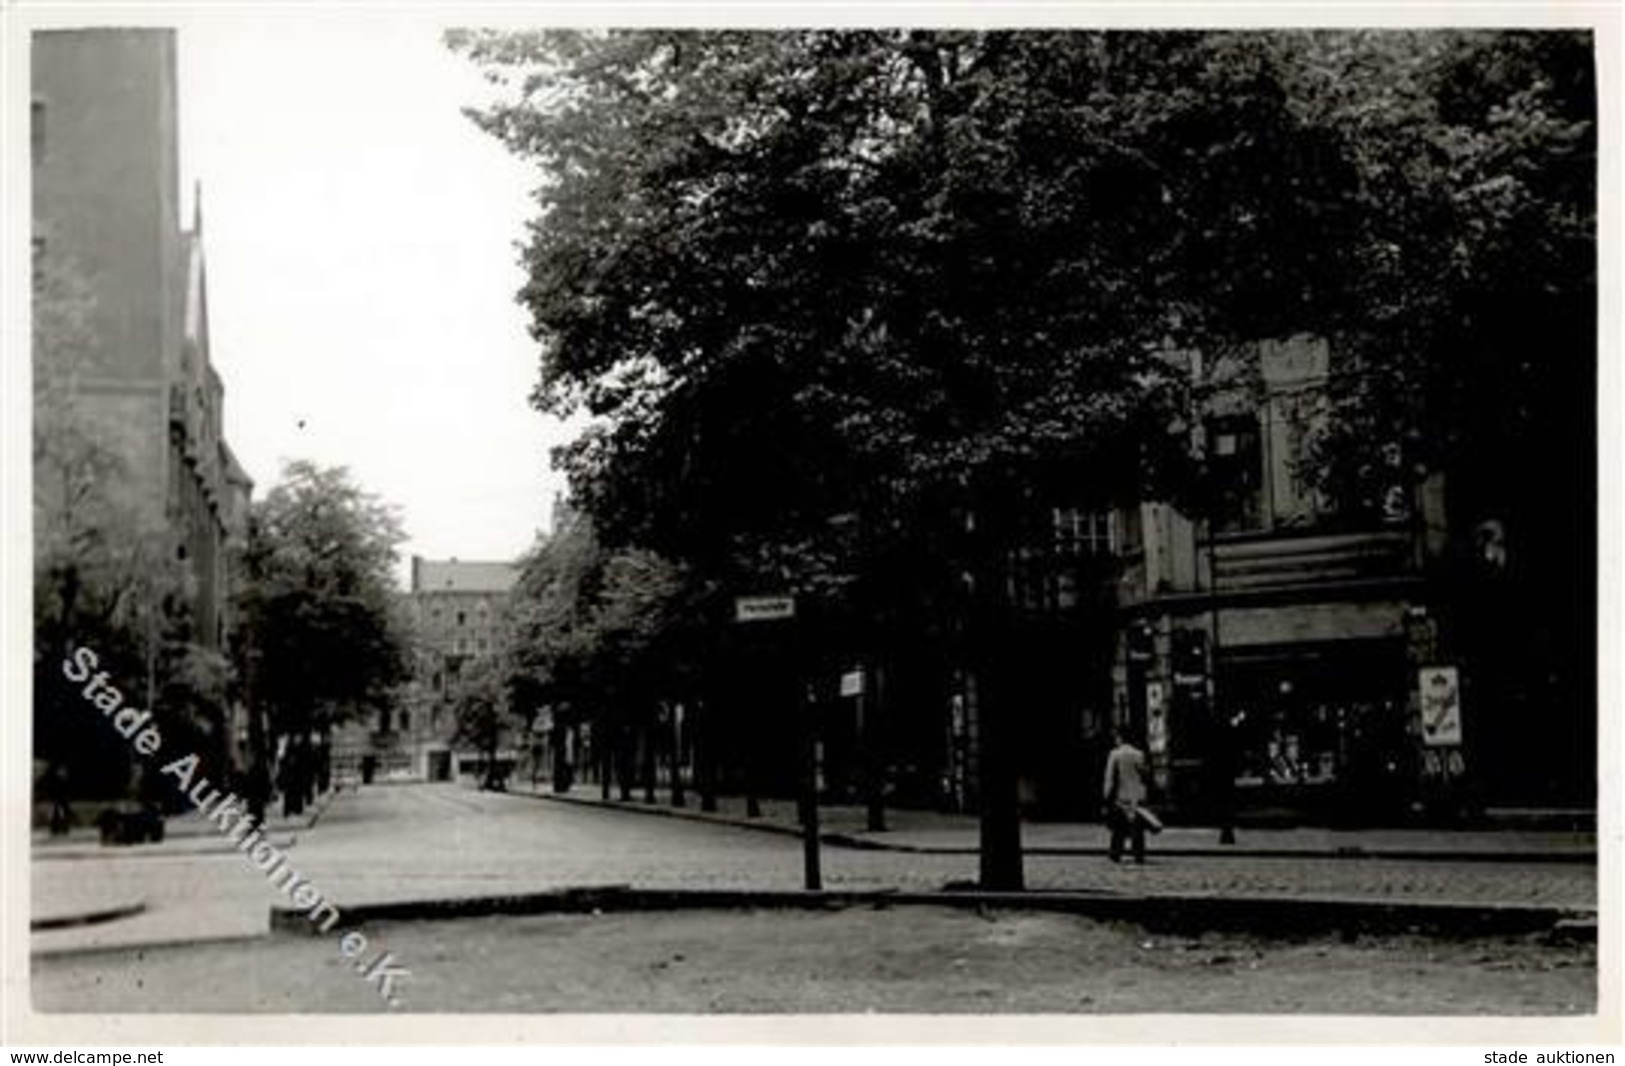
x,y
1064,516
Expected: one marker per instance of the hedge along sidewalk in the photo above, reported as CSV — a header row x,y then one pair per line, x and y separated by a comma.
x,y
930,832
184,834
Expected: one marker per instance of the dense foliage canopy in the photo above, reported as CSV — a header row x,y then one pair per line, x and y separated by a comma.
x,y
319,600
805,275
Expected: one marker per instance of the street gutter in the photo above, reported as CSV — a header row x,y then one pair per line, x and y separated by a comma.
x,y
1587,856
1263,915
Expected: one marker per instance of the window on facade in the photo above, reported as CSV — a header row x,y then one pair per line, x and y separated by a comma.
x,y
406,720
462,617
36,130
1130,534
1079,532
1236,470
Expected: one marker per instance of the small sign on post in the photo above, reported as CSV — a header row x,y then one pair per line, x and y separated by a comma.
x,y
764,608
1156,718
1441,706
852,683
781,608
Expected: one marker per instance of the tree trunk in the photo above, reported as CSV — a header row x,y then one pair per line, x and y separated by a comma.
x,y
293,773
705,766
874,756
623,763
259,762
562,771
675,740
651,765
1001,859
1000,837
324,761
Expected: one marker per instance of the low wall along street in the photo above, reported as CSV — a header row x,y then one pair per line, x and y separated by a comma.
x,y
231,818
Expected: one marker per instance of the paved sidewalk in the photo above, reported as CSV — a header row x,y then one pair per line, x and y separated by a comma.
x,y
932,832
184,834
192,886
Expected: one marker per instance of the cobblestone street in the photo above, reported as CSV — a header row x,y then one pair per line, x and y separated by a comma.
x,y
423,842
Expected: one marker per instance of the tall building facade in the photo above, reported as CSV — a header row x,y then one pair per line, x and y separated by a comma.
x,y
1276,645
1271,647
107,209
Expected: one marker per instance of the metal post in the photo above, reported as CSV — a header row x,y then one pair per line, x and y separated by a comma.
x,y
1226,742
809,795
874,764
1226,756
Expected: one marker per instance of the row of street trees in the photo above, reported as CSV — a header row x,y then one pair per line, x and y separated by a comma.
x,y
843,307
603,637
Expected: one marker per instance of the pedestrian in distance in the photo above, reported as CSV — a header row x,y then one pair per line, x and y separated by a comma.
x,y
1124,790
56,790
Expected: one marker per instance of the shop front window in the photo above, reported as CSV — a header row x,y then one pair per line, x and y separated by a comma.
x,y
1315,720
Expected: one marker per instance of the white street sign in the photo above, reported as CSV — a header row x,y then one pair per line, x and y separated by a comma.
x,y
764,608
852,683
1441,705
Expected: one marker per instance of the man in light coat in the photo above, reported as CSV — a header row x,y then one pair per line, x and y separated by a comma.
x,y
1124,789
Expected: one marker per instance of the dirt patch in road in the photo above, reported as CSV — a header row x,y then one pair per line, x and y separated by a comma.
x,y
897,960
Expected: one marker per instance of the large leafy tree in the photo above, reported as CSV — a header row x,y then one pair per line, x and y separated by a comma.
x,y
832,297
324,634
1474,353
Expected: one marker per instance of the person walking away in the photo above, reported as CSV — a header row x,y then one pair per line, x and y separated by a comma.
x,y
1124,789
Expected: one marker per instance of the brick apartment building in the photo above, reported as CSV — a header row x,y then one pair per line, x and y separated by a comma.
x,y
456,609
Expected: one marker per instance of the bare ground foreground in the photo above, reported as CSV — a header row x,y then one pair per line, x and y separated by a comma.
x,y
887,960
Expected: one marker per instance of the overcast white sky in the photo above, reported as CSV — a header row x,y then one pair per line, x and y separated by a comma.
x,y
359,234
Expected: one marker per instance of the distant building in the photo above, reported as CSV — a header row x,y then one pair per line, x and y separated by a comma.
x,y
456,609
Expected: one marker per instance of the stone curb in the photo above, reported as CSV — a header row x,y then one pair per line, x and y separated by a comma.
x,y
57,951
98,916
847,840
1269,915
180,847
